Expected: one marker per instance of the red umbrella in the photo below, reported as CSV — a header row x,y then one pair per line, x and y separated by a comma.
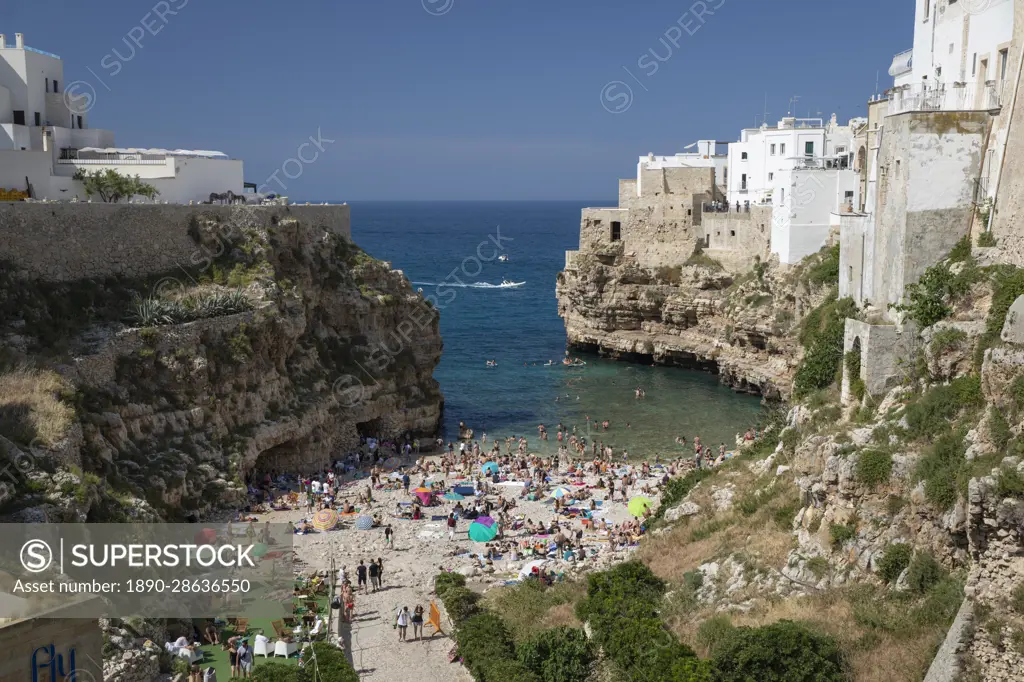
x,y
206,536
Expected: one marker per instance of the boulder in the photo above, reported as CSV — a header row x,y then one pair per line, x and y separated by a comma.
x,y
1013,328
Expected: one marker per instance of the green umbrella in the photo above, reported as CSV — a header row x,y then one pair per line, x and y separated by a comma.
x,y
479,532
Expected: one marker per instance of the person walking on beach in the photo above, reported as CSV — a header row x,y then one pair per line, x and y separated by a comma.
x,y
389,537
402,622
380,572
417,622
451,527
405,482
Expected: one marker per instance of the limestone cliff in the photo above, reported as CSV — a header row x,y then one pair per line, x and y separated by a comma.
x,y
694,315
152,397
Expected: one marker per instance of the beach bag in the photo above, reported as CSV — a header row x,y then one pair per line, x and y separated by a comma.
x,y
336,603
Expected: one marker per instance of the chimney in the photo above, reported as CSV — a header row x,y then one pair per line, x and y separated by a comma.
x,y
3,41
19,41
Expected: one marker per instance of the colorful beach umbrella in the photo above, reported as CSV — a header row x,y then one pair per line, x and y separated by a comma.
x,y
490,468
486,521
392,463
454,497
478,532
325,519
260,550
638,505
364,522
560,492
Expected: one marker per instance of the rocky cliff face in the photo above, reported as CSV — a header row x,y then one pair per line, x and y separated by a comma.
x,y
155,398
694,315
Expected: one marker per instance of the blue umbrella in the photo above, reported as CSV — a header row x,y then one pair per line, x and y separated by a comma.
x,y
455,497
364,522
491,468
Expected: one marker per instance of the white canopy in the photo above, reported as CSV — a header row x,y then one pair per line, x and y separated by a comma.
x,y
155,151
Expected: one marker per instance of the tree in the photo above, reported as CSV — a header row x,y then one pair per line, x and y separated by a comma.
x,y
111,186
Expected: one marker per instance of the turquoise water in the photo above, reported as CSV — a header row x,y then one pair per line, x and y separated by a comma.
x,y
455,243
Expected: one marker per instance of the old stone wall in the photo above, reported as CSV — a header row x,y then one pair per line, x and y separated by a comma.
x,y
886,354
64,242
928,166
1008,221
736,239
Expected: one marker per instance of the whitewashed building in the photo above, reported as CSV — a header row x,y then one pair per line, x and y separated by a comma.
x,y
803,169
43,141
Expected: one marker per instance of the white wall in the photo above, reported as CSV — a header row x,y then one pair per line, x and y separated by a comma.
x,y
15,165
804,206
939,39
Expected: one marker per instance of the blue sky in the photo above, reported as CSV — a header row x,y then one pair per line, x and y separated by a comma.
x,y
460,99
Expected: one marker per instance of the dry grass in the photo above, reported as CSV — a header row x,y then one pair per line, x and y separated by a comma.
x,y
671,554
32,408
562,614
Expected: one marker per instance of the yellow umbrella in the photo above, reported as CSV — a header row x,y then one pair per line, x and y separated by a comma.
x,y
638,505
325,519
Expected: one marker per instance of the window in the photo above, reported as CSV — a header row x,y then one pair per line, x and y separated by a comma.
x,y
771,176
808,148
56,87
782,149
743,156
927,9
732,233
773,150
782,196
743,182
616,230
1004,57
47,84
689,212
19,118
38,120
974,65
597,223
840,150
79,122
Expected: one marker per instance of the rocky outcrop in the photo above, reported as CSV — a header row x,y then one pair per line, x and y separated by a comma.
x,y
317,345
696,316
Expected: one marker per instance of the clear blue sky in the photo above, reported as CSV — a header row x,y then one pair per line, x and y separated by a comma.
x,y
461,99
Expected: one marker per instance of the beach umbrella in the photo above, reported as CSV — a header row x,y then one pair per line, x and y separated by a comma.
x,y
638,505
325,519
560,492
486,521
364,522
478,532
490,468
424,497
392,463
260,550
454,497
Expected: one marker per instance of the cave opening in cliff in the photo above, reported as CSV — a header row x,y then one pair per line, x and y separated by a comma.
x,y
289,457
371,429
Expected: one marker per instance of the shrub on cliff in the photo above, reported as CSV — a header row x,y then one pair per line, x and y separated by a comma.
x,y
447,580
461,603
562,654
780,652
822,338
485,645
894,560
874,467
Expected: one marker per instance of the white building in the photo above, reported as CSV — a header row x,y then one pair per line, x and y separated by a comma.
x,y
802,168
43,142
706,154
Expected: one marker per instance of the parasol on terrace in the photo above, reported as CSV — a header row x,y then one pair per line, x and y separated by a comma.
x,y
325,519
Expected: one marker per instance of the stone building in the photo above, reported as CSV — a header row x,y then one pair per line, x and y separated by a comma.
x,y
931,157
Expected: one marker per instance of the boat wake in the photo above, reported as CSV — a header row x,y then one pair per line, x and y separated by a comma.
x,y
473,285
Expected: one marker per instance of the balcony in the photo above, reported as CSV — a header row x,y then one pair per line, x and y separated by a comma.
x,y
902,63
959,96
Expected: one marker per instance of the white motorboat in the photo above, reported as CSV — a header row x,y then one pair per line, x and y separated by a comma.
x,y
508,284
503,258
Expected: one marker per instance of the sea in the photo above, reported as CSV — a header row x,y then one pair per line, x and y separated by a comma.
x,y
451,251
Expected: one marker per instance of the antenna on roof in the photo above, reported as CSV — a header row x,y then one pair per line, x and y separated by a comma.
x,y
792,104
764,117
876,83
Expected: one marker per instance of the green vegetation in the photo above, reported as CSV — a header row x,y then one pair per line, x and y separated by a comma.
x,y
818,565
1007,285
931,412
894,560
825,270
932,298
839,534
714,633
986,239
1017,599
35,407
701,259
155,312
946,340
1010,483
822,338
874,467
488,651
852,365
559,655
524,607
111,186
677,489
999,429
941,468
923,573
781,652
